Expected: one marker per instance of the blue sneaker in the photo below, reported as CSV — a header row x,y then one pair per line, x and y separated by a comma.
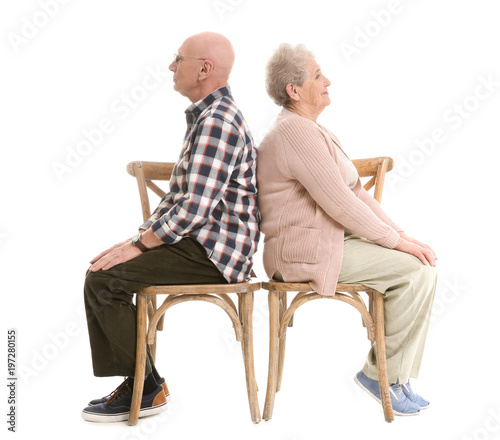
x,y
117,407
401,405
414,397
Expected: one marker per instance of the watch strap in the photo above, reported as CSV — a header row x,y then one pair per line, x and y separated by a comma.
x,y
136,241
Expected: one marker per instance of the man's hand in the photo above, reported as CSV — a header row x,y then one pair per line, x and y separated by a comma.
x,y
107,251
119,253
124,251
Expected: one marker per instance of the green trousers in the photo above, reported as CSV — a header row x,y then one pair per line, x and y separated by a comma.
x,y
408,287
109,300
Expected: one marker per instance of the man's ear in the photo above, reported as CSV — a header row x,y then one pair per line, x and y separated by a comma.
x,y
206,69
291,89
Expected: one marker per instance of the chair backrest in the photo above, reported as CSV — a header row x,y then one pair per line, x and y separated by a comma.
x,y
145,173
376,168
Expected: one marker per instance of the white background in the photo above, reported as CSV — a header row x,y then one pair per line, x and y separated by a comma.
x,y
400,70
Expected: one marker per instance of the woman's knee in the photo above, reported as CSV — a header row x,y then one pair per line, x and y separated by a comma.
x,y
429,273
424,272
426,277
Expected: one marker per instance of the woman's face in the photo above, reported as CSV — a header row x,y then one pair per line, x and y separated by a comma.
x,y
314,92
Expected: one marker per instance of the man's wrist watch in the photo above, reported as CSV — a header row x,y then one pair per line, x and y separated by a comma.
x,y
136,241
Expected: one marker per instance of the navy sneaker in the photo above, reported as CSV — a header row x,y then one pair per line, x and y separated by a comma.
x,y
414,397
117,407
401,405
105,398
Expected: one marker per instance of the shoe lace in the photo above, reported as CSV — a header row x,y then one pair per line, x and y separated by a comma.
x,y
396,391
122,389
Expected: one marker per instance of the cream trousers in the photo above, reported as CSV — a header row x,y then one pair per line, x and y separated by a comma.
x,y
408,287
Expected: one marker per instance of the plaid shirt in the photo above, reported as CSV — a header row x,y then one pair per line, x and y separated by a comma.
x,y
213,190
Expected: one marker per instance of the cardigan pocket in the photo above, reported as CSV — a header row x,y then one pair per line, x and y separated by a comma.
x,y
301,245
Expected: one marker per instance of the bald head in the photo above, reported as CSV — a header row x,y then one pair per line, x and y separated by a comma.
x,y
203,66
214,47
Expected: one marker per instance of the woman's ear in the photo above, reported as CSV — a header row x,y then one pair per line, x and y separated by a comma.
x,y
291,89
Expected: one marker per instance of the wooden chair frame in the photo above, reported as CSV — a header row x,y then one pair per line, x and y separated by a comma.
x,y
281,314
218,294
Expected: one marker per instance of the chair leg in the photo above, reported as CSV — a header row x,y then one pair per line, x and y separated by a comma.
x,y
281,341
378,311
153,345
272,375
241,317
140,359
240,304
247,347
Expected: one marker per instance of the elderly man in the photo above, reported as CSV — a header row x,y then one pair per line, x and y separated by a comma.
x,y
205,229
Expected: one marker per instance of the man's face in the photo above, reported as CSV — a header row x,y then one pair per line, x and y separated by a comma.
x,y
186,69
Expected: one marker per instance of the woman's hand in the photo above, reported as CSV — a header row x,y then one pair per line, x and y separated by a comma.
x,y
412,240
423,252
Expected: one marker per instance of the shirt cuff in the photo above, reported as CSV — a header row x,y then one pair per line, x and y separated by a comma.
x,y
164,233
146,225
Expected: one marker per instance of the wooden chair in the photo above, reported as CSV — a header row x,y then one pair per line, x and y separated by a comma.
x,y
281,314
241,316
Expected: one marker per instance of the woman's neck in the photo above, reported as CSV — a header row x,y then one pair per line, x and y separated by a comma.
x,y
303,111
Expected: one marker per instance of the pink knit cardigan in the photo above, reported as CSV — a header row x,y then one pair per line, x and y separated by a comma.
x,y
305,204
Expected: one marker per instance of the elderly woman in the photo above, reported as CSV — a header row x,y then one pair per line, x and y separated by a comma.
x,y
322,227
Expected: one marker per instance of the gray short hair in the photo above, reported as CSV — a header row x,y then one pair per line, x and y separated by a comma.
x,y
287,65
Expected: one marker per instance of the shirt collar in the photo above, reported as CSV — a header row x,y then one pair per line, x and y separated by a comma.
x,y
197,107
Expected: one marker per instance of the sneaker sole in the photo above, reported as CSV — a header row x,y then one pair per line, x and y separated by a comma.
x,y
367,391
120,417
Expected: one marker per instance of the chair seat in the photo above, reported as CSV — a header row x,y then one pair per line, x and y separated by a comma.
x,y
305,287
201,289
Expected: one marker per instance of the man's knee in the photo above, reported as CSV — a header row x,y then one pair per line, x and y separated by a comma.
x,y
96,288
91,281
